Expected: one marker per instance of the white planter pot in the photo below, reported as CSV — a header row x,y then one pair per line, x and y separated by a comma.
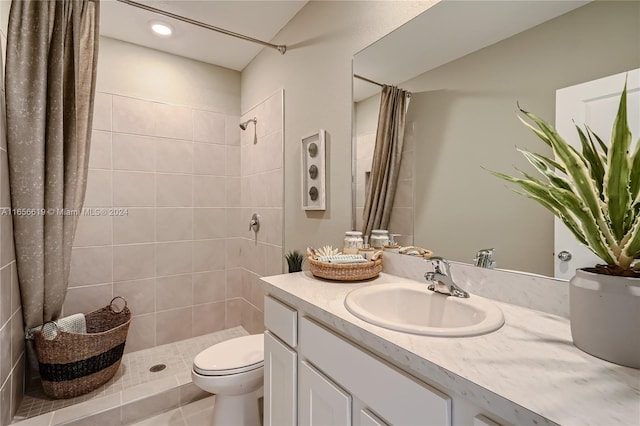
x,y
605,316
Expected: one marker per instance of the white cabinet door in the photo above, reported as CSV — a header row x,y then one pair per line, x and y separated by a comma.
x,y
279,383
320,401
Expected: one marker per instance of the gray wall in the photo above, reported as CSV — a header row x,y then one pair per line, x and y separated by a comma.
x,y
466,120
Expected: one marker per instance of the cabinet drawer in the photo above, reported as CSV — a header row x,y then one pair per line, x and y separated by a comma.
x,y
281,320
397,397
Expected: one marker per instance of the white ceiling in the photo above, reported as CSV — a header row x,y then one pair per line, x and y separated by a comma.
x,y
445,32
257,19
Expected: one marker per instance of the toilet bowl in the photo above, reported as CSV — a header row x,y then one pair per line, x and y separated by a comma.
x,y
233,370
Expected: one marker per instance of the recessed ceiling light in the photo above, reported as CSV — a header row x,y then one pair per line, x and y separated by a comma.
x,y
161,29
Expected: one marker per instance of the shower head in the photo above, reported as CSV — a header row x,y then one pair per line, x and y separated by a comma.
x,y
244,125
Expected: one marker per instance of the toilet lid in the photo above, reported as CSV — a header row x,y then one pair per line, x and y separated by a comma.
x,y
232,356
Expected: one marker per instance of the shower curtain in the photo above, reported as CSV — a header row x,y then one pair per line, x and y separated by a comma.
x,y
387,156
51,63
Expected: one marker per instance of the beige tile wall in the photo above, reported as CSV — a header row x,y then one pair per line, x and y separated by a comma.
x,y
182,254
11,324
261,180
172,170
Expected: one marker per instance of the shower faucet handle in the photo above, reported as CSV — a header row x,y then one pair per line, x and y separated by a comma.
x,y
254,223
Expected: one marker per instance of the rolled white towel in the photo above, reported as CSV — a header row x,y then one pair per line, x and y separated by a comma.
x,y
343,258
75,323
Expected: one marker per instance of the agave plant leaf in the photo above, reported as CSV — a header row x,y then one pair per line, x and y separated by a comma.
x,y
540,134
539,192
576,169
541,164
631,249
616,180
603,146
579,216
551,163
634,211
595,161
568,208
594,236
634,177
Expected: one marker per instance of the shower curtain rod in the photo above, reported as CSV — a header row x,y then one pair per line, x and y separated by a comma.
x,y
279,47
368,80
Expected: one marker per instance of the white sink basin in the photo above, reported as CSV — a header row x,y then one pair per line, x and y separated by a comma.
x,y
411,308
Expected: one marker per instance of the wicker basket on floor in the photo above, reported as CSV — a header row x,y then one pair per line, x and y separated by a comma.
x,y
347,271
73,364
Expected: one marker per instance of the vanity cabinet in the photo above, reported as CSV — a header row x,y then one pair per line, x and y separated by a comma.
x,y
313,376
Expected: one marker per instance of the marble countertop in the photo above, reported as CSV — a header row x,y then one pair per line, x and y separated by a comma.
x,y
528,372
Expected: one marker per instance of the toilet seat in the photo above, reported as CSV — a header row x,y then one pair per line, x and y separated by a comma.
x,y
233,356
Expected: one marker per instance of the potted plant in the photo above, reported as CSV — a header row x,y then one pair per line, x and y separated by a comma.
x,y
294,261
596,193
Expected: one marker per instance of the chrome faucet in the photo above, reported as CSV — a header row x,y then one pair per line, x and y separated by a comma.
x,y
441,279
484,259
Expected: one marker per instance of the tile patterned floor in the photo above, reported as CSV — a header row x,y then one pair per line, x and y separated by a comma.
x,y
134,370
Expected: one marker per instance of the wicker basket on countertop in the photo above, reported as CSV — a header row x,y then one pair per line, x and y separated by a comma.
x,y
346,271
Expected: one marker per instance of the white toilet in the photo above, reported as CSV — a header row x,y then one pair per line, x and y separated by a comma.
x,y
233,370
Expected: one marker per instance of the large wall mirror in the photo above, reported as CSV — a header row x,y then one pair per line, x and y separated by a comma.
x,y
467,65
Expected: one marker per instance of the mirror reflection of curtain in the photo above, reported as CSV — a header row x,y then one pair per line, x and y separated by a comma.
x,y
387,156
52,53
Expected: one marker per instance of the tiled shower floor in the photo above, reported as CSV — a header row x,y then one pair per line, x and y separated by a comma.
x,y
133,371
